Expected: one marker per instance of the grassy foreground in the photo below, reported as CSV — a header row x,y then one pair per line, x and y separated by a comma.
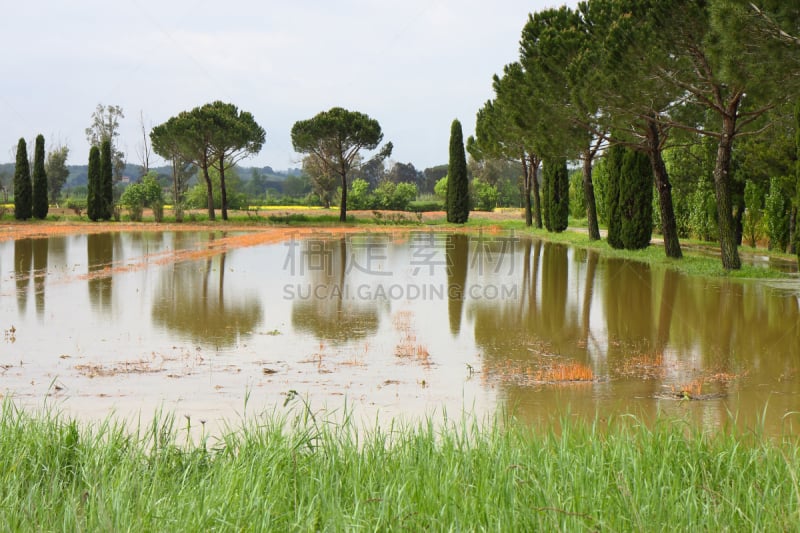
x,y
303,474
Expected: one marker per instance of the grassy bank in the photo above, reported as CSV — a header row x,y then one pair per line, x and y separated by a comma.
x,y
306,474
696,260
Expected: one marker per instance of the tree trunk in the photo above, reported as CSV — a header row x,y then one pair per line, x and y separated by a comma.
x,y
727,231
588,191
526,187
669,227
176,191
537,202
222,190
793,231
210,190
343,203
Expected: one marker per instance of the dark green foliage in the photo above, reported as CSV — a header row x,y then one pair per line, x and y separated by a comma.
x,y
636,200
333,139
106,188
94,197
22,184
778,211
797,176
556,179
613,167
547,184
457,179
40,204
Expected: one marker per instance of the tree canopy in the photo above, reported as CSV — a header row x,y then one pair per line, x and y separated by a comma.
x,y
335,138
632,72
215,134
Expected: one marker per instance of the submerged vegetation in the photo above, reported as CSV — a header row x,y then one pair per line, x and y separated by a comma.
x,y
300,472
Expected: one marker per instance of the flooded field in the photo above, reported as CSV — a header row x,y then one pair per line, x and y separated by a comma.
x,y
211,326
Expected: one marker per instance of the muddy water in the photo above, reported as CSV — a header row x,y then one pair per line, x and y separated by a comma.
x,y
391,325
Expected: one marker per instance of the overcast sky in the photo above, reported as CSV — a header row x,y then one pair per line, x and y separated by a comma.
x,y
414,65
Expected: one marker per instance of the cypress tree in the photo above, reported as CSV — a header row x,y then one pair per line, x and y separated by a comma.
x,y
636,200
40,203
556,201
547,185
457,180
797,180
106,188
614,157
560,192
22,183
95,198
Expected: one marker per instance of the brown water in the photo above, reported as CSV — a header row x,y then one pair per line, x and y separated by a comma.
x,y
392,325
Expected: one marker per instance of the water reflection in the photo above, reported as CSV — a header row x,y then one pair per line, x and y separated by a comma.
x,y
23,262
506,307
100,258
190,300
324,305
457,256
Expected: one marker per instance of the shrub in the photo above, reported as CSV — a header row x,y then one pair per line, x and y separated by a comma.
x,y
388,195
440,189
358,197
484,195
147,193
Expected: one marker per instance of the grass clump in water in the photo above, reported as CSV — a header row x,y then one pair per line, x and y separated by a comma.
x,y
304,473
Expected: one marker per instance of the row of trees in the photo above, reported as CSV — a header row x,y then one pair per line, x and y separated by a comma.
x,y
656,76
30,196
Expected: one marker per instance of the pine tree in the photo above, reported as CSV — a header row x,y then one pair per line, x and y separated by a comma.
x,y
22,183
614,157
636,200
457,179
94,198
40,203
106,183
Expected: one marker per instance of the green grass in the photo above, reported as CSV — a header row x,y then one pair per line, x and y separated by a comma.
x,y
301,473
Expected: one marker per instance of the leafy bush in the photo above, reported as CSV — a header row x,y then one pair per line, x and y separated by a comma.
x,y
440,189
388,195
358,197
484,195
146,193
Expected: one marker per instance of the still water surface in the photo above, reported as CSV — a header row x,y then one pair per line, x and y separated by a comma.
x,y
393,325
